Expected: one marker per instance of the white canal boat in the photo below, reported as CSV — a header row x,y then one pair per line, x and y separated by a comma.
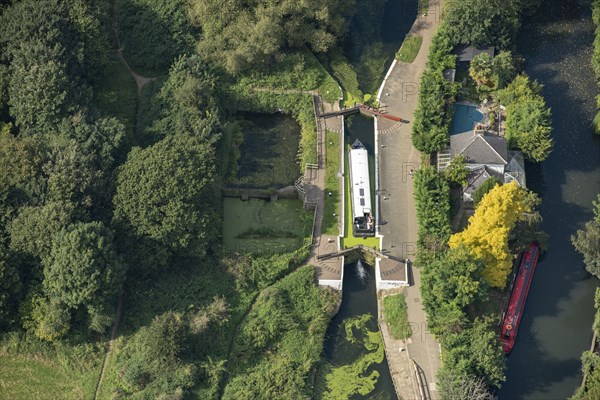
x,y
363,222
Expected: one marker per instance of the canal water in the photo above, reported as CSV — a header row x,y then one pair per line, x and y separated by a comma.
x,y
358,299
556,328
359,296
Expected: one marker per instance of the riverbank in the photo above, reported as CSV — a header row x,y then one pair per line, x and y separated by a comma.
x,y
555,329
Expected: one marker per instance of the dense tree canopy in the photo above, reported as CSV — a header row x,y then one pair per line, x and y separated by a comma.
x,y
452,281
238,34
587,242
164,193
486,237
432,198
528,119
33,230
483,22
476,352
84,270
47,48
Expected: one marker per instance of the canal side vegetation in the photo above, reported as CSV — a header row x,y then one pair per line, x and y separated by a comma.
x,y
596,57
111,210
481,23
587,242
409,49
590,361
395,313
459,272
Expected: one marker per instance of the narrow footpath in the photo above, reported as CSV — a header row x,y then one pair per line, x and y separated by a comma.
x,y
397,160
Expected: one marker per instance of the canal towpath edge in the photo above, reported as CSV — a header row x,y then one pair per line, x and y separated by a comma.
x,y
397,159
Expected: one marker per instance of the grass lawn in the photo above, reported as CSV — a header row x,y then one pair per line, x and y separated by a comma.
x,y
349,240
409,49
24,377
116,96
395,314
332,203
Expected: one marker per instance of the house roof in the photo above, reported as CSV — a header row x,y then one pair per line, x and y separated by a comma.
x,y
477,176
467,53
479,147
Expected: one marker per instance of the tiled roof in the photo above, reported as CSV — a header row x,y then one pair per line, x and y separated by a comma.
x,y
479,148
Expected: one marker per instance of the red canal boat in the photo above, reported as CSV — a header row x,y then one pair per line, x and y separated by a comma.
x,y
518,296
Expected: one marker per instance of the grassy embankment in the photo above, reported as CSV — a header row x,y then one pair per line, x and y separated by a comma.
x,y
32,369
396,315
332,185
409,49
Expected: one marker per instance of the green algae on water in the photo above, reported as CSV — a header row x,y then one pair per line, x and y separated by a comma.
x,y
342,382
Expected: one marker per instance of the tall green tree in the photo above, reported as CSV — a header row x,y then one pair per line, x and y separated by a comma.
x,y
45,53
452,279
83,270
237,34
587,242
528,120
476,352
483,22
164,192
35,227
10,288
481,69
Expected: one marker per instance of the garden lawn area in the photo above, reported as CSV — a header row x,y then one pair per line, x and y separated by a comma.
x,y
349,240
332,185
116,95
395,314
409,49
24,377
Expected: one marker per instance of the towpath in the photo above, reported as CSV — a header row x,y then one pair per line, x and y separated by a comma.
x,y
397,160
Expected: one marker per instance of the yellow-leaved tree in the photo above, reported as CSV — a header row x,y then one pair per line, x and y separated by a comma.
x,y
486,237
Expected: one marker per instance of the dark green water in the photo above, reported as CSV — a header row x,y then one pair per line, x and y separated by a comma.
x,y
269,152
556,325
359,293
376,33
359,298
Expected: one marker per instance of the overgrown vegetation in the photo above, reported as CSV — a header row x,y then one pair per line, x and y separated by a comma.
x,y
92,206
587,242
457,273
281,340
590,361
396,316
596,56
528,125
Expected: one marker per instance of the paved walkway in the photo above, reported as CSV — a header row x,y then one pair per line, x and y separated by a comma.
x,y
330,269
397,159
